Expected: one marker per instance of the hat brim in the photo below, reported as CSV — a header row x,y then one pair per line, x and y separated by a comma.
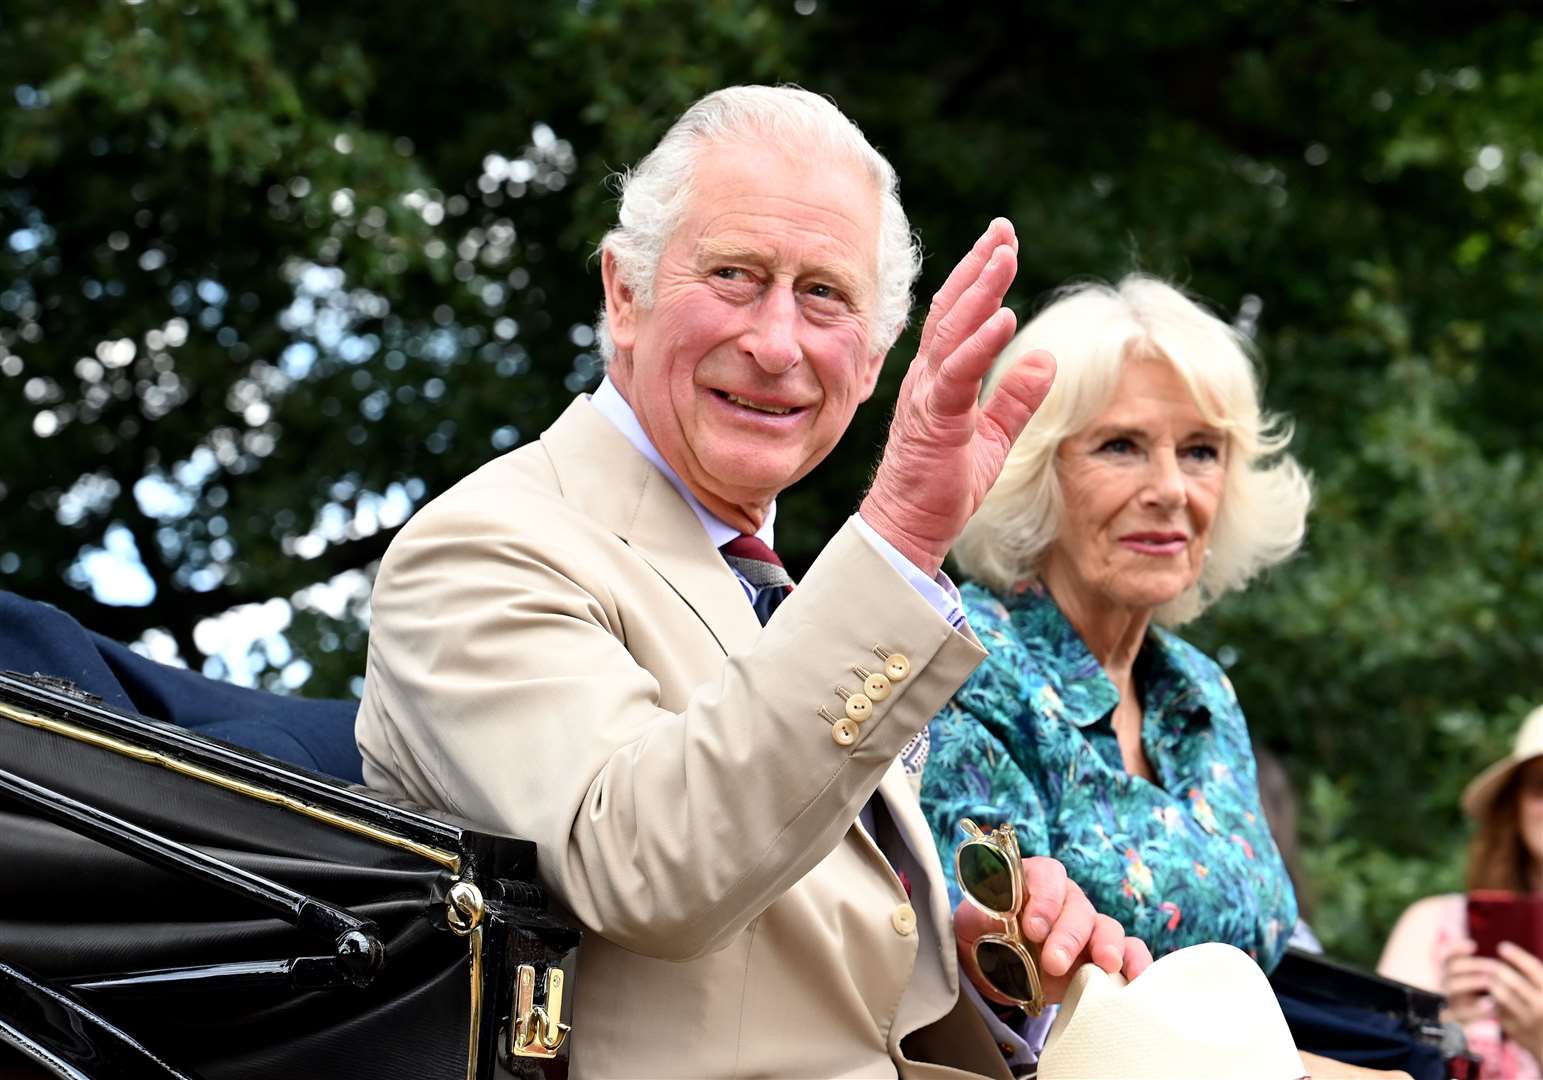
x,y
1205,1012
1482,791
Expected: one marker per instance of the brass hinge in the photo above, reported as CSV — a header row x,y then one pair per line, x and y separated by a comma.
x,y
535,1030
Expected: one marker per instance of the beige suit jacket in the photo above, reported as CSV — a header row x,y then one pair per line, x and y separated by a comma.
x,y
557,650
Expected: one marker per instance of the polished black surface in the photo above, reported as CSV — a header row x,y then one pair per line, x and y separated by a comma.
x,y
61,1035
228,971
500,856
359,953
299,973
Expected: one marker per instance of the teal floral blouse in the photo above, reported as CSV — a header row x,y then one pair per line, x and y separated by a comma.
x,y
1029,739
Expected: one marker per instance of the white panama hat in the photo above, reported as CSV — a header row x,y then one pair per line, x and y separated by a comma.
x,y
1202,1013
1482,790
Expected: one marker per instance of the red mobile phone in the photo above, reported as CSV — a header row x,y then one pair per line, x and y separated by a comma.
x,y
1495,916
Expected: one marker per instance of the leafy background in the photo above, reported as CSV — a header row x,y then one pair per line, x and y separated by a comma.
x,y
272,276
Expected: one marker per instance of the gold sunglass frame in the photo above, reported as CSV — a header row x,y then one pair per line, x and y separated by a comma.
x,y
1004,840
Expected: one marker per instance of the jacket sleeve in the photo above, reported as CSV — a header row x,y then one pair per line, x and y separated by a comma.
x,y
501,686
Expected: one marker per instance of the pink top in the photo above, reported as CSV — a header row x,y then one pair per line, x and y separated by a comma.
x,y
1502,1059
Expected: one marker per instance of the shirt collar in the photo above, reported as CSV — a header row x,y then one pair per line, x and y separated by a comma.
x,y
1173,689
608,401
1179,691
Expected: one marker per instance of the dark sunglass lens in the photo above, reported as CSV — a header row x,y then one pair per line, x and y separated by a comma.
x,y
1003,968
985,874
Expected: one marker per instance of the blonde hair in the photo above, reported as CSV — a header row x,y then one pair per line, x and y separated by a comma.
x,y
1093,330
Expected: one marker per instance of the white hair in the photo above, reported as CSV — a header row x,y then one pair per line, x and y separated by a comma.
x,y
656,193
1093,331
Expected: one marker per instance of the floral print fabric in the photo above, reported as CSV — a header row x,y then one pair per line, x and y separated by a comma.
x,y
1029,739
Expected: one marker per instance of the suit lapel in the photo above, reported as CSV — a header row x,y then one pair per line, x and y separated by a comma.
x,y
602,475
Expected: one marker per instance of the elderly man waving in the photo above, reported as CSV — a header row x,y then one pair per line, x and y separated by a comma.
x,y
590,643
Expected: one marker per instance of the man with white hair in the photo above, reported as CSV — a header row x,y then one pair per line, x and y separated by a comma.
x,y
590,643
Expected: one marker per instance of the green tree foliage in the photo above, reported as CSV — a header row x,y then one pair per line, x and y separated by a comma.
x,y
271,276
275,279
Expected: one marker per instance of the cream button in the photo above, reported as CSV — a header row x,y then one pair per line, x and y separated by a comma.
x,y
903,918
859,708
897,667
876,686
844,731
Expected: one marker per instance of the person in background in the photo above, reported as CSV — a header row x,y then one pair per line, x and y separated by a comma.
x,y
1279,799
1498,1000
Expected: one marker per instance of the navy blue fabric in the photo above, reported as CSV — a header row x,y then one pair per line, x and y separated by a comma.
x,y
315,734
1358,1036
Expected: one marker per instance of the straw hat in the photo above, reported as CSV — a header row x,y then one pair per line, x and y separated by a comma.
x,y
1202,1013
1480,793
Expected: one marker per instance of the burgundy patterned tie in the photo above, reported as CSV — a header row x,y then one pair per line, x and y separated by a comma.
x,y
759,565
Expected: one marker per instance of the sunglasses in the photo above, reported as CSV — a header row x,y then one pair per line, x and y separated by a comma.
x,y
990,872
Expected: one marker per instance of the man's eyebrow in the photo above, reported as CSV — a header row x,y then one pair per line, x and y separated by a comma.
x,y
711,252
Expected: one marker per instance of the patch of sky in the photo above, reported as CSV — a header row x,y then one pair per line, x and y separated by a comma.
x,y
297,360
161,500
372,512
442,346
91,493
357,348
115,572
25,240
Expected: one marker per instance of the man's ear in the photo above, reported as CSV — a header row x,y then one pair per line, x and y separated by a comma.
x,y
871,368
621,306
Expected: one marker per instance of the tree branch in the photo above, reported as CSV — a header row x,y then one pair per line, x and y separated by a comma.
x,y
177,610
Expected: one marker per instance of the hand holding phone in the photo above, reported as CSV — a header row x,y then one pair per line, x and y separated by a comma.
x,y
1495,915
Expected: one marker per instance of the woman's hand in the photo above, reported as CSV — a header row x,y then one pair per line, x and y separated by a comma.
x,y
1516,985
1465,980
1061,926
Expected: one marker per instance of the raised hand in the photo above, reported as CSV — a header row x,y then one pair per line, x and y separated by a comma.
x,y
945,449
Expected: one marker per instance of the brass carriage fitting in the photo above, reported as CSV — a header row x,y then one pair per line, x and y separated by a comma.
x,y
534,1030
464,907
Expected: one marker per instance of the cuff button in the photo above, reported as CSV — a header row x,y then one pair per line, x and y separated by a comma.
x,y
876,686
844,732
859,708
897,667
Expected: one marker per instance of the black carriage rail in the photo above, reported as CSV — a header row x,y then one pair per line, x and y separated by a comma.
x,y
46,1024
357,955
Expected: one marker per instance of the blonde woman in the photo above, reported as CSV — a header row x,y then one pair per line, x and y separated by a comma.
x,y
1150,484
